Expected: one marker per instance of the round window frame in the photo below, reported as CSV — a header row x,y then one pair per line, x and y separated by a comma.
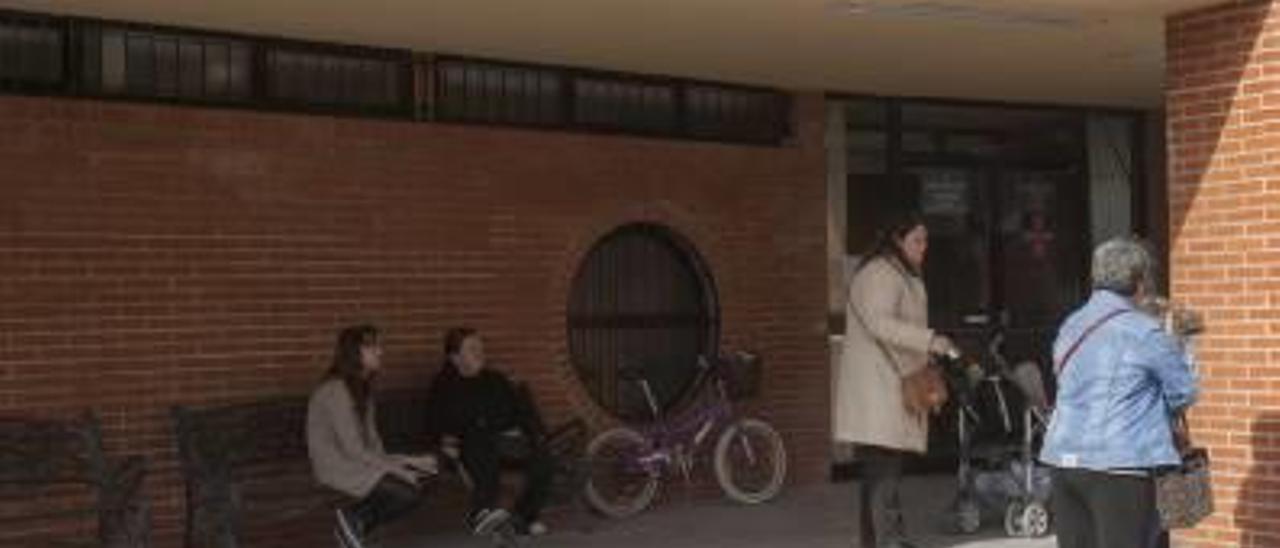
x,y
687,254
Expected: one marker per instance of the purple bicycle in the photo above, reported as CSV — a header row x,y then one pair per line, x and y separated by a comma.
x,y
627,464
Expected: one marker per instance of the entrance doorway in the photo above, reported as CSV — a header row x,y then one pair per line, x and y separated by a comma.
x,y
1004,192
1014,197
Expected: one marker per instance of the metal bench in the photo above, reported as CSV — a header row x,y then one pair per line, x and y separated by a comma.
x,y
246,469
58,487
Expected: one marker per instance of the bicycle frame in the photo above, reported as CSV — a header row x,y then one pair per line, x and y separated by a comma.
x,y
675,441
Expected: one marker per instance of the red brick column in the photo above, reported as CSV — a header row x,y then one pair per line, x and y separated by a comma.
x,y
1224,194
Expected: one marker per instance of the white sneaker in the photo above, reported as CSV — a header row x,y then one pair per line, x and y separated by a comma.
x,y
536,529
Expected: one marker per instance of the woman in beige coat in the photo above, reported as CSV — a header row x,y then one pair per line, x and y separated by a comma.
x,y
887,337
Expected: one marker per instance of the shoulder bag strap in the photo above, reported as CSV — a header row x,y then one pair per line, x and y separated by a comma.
x,y
879,344
1062,364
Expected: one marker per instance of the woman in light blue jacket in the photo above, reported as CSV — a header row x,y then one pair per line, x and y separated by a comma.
x,y
1121,379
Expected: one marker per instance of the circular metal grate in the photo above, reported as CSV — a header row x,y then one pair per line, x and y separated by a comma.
x,y
642,298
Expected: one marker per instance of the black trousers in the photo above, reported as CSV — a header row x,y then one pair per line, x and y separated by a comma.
x,y
391,498
1101,510
483,461
880,505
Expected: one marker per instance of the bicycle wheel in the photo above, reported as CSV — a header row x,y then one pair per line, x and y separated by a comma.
x,y
619,485
750,461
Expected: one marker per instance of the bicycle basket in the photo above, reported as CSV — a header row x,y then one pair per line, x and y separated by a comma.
x,y
742,374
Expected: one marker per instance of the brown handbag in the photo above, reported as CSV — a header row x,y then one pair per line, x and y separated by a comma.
x,y
924,391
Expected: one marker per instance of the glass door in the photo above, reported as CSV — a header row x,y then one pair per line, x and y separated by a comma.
x,y
957,205
1043,246
1005,192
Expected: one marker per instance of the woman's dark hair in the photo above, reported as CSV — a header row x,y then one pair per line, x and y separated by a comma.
x,y
348,366
887,238
454,338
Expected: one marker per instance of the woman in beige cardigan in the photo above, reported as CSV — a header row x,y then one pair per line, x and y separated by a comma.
x,y
887,337
345,448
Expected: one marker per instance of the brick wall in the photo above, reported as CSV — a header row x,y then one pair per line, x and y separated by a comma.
x,y
1224,191
153,255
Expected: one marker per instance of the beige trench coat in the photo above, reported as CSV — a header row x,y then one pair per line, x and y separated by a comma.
x,y
344,456
894,309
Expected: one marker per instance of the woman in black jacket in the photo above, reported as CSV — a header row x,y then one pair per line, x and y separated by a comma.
x,y
469,409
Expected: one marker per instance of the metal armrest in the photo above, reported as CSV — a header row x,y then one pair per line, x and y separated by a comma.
x,y
126,515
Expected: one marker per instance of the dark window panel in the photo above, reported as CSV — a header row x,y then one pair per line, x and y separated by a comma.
x,y
166,63
143,62
148,62
31,54
341,80
486,92
140,63
624,104
217,70
190,64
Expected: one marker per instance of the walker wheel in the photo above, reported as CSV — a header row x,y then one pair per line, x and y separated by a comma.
x,y
1014,525
1035,520
968,518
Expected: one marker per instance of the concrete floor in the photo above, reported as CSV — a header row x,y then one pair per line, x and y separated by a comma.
x,y
820,516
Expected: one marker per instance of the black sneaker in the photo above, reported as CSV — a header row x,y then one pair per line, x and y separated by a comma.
x,y
348,529
488,520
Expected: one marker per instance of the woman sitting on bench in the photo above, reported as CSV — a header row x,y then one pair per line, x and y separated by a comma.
x,y
345,448
472,412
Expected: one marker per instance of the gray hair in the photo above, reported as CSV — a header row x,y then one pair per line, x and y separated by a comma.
x,y
1123,265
